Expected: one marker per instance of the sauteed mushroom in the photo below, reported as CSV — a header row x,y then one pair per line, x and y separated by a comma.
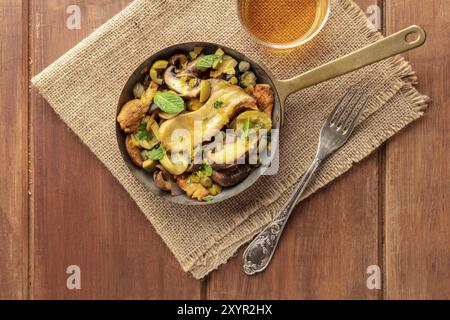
x,y
178,60
183,81
162,180
224,166
231,178
185,84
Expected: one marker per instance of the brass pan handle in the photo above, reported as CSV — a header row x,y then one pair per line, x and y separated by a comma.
x,y
382,49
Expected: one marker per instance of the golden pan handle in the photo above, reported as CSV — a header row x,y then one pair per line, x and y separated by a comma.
x,y
382,49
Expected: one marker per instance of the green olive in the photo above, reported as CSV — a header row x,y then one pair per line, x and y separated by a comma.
x,y
160,65
155,76
227,65
155,71
138,90
206,182
193,82
233,80
248,79
244,66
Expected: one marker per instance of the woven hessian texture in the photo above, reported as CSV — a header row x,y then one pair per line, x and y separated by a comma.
x,y
84,85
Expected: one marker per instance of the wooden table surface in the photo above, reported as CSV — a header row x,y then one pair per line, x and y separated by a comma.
x,y
391,210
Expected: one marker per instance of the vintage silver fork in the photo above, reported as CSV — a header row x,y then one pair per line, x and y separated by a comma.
x,y
335,133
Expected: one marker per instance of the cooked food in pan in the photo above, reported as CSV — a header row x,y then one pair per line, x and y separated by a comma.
x,y
198,123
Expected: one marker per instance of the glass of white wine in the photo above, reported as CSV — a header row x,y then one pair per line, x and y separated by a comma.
x,y
283,24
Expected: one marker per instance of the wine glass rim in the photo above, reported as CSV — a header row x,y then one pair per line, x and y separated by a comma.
x,y
287,45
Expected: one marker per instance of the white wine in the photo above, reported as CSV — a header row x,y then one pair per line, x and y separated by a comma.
x,y
282,21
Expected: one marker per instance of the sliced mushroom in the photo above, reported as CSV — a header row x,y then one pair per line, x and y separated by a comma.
x,y
224,166
162,181
178,60
181,83
133,151
184,81
232,177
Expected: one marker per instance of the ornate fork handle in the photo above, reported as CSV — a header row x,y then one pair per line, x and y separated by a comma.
x,y
260,251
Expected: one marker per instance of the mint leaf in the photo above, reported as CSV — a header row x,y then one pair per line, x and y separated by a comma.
x,y
142,133
208,198
218,104
169,102
142,125
156,154
207,62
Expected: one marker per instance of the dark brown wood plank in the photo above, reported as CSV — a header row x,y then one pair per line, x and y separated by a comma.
x,y
82,216
14,150
418,171
328,245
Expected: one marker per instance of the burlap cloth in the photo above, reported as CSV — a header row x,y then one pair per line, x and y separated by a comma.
x,y
84,85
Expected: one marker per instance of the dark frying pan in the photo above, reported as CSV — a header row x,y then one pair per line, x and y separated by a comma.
x,y
385,48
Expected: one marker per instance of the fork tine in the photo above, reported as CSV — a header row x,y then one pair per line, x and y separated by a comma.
x,y
348,130
339,106
348,110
